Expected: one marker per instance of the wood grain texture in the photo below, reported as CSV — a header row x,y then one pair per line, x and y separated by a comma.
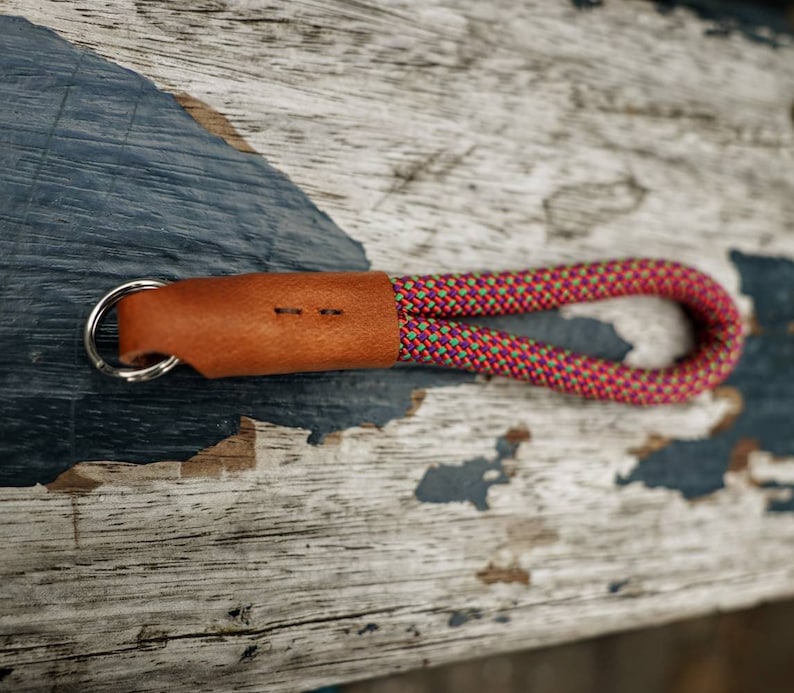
x,y
445,136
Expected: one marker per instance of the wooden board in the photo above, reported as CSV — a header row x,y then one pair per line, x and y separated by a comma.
x,y
477,515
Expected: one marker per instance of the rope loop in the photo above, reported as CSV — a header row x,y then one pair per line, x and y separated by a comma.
x,y
427,335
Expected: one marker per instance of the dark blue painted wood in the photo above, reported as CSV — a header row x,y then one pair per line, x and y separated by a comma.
x,y
103,178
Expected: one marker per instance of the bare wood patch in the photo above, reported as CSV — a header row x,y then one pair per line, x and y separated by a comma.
x,y
77,479
417,397
519,434
740,454
754,327
653,443
216,123
333,438
735,402
512,573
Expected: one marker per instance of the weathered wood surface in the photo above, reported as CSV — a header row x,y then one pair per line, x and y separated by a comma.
x,y
495,516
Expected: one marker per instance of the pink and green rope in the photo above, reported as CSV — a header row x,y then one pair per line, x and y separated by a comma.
x,y
427,335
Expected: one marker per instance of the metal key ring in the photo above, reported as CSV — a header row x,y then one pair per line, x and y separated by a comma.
x,y
106,303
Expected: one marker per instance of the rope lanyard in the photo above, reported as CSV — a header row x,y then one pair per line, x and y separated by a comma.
x,y
261,324
427,338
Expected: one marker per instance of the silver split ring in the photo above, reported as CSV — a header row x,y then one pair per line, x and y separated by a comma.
x,y
106,303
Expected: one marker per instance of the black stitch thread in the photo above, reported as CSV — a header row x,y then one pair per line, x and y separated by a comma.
x,y
330,311
288,311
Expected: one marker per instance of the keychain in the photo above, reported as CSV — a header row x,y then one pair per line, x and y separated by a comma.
x,y
269,323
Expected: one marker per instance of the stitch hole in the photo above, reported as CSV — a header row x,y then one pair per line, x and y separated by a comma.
x,y
287,311
330,311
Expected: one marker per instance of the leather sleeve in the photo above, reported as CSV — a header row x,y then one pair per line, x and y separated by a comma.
x,y
262,324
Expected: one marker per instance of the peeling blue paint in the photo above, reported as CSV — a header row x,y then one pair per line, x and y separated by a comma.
x,y
369,628
458,618
616,585
502,618
470,481
765,379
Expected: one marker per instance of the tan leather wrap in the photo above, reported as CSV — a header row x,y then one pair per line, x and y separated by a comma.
x,y
262,324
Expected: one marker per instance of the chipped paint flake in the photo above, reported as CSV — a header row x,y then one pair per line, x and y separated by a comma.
x,y
470,481
458,618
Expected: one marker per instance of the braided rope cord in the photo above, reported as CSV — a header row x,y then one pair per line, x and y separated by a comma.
x,y
425,303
